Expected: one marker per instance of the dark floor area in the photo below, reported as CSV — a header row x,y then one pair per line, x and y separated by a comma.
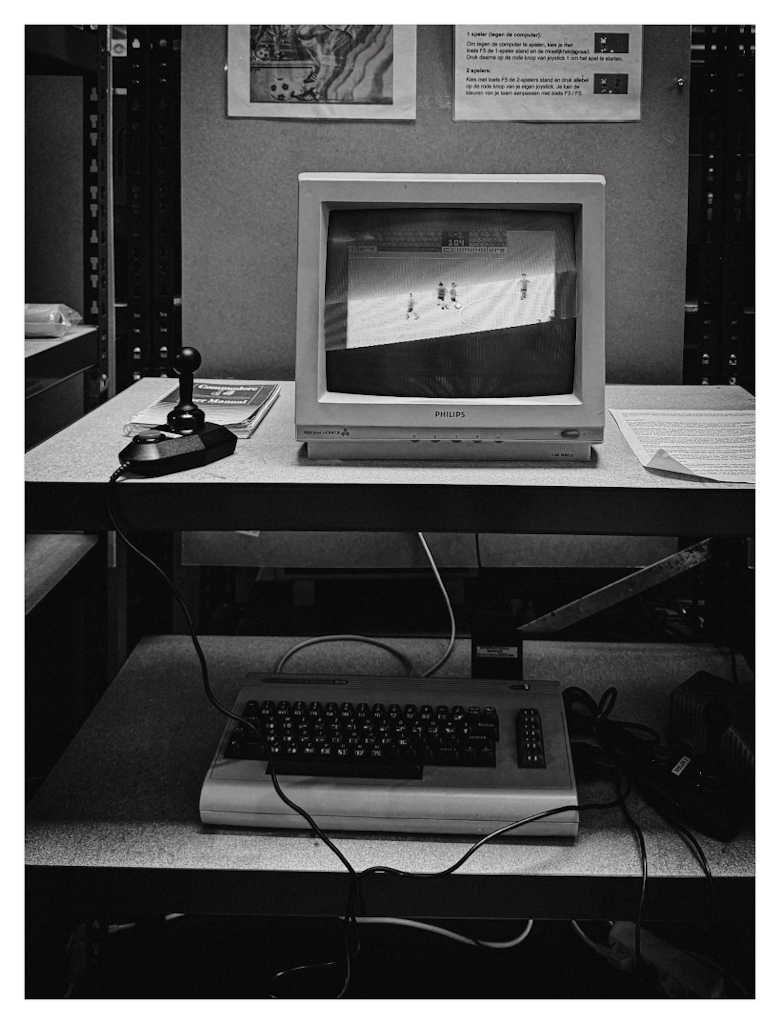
x,y
237,958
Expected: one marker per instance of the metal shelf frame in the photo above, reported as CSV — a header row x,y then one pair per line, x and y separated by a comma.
x,y
148,200
720,312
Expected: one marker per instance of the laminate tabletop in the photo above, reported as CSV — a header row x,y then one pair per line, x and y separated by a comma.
x,y
270,484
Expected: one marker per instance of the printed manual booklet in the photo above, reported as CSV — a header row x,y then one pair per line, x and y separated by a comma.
x,y
236,404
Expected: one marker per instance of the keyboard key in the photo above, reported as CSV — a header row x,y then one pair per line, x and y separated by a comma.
x,y
487,728
364,769
425,754
486,756
532,760
447,755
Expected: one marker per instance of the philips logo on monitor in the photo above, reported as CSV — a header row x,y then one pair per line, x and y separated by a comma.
x,y
451,414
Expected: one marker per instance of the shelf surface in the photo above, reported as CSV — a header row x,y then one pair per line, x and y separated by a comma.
x,y
116,825
270,484
48,361
48,558
35,346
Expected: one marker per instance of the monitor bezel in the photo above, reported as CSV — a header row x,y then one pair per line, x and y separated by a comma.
x,y
320,412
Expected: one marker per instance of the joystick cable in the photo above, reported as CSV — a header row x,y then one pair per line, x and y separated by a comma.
x,y
112,513
350,923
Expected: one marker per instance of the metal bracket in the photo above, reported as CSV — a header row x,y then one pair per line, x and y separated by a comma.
x,y
620,590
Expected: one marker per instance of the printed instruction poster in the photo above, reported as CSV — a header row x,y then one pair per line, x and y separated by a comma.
x,y
548,73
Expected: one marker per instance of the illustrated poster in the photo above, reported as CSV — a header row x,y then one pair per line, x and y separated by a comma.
x,y
338,72
548,73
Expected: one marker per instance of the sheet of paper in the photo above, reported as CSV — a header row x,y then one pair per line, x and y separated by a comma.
x,y
713,445
547,73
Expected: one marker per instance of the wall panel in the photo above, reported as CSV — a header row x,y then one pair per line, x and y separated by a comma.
x,y
239,200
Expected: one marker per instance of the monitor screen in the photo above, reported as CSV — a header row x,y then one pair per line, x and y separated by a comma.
x,y
450,303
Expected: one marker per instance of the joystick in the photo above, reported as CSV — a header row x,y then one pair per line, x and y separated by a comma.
x,y
186,440
186,418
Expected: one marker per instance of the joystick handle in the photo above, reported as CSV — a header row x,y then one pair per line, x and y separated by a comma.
x,y
186,417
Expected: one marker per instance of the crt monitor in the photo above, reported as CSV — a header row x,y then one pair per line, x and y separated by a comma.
x,y
450,316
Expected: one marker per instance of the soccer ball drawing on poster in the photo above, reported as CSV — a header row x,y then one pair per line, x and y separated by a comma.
x,y
349,64
289,86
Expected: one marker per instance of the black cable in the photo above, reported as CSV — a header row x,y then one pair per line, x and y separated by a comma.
x,y
207,684
350,927
625,746
627,743
643,853
692,841
494,835
626,750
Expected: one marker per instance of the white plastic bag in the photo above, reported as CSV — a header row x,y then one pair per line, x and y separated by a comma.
x,y
49,319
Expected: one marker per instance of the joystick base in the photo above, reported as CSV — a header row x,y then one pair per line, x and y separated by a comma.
x,y
156,457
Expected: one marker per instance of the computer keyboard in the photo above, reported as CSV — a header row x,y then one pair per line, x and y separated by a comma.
x,y
395,754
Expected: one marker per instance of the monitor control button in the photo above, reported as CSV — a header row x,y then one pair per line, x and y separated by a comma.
x,y
570,433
